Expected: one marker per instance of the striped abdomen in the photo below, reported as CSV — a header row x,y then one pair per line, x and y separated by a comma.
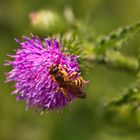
x,y
78,82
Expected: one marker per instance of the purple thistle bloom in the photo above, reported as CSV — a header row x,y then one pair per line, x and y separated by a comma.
x,y
30,72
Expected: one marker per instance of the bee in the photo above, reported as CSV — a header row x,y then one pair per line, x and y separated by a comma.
x,y
72,82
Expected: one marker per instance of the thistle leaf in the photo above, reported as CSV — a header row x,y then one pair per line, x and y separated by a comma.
x,y
117,38
131,96
120,60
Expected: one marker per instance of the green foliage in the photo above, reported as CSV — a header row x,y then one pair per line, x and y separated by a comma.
x,y
116,39
131,96
108,48
117,59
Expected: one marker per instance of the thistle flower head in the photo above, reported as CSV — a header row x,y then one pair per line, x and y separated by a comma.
x,y
30,72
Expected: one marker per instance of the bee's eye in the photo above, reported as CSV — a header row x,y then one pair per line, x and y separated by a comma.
x,y
54,70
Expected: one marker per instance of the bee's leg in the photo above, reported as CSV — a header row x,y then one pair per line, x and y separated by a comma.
x,y
65,68
56,90
65,93
72,75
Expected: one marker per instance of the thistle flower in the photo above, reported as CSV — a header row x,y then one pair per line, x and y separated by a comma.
x,y
30,72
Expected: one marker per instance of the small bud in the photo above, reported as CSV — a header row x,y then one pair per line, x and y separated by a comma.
x,y
47,21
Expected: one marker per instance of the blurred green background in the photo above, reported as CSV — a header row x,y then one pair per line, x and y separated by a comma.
x,y
86,119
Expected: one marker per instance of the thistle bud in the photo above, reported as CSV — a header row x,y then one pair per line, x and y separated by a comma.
x,y
46,21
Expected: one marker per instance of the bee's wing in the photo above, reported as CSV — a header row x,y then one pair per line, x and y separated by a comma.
x,y
79,93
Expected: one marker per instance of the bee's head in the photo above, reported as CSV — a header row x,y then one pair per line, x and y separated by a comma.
x,y
53,69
